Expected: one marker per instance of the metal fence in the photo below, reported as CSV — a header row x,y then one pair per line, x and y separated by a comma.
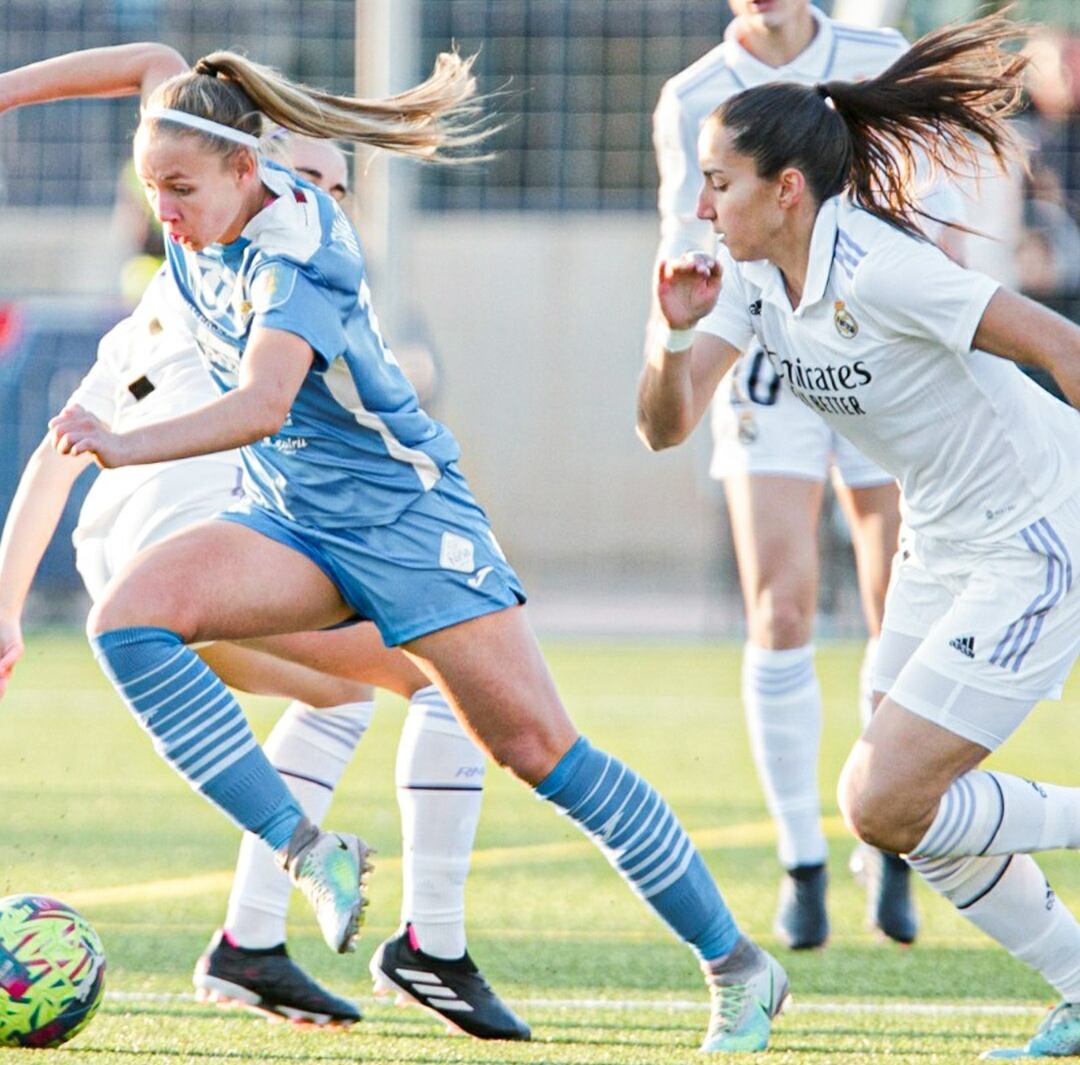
x,y
68,154
579,79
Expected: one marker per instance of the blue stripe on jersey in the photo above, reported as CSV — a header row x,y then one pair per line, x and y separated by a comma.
x,y
884,38
851,244
1022,634
831,60
844,257
847,264
847,253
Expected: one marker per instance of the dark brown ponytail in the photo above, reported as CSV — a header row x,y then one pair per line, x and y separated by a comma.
x,y
952,85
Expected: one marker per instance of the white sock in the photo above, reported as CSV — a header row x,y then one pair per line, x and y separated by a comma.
x,y
783,715
310,749
1009,899
866,686
988,813
440,780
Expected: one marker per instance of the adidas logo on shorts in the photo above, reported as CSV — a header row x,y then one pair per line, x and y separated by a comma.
x,y
965,645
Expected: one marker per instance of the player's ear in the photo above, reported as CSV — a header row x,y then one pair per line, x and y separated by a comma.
x,y
243,164
791,187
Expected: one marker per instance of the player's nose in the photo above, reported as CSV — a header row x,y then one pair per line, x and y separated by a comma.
x,y
704,205
166,209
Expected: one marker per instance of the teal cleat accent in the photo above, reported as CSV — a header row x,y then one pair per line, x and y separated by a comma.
x,y
745,1001
1057,1037
331,869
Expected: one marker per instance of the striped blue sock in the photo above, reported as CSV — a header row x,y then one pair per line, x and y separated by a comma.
x,y
198,728
639,834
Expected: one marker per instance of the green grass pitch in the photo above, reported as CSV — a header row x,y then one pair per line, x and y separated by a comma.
x,y
92,816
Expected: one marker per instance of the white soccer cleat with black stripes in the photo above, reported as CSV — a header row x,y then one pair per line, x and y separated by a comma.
x,y
454,990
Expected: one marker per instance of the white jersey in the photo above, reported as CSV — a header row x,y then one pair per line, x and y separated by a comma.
x,y
880,347
837,52
148,369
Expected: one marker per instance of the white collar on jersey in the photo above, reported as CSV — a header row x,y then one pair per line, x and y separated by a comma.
x,y
810,65
288,226
767,277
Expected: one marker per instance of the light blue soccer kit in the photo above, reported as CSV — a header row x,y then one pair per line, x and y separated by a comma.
x,y
359,478
364,483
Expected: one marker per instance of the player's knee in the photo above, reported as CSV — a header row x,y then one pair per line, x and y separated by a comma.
x,y
876,815
781,622
121,608
530,754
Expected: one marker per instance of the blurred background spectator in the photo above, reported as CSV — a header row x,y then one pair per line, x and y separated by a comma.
x,y
1049,253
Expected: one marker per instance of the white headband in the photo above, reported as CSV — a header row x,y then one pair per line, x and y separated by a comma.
x,y
205,124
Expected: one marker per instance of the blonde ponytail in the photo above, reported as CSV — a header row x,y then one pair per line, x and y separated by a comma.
x,y
441,120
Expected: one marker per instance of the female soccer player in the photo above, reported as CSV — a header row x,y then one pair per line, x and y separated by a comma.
x,y
773,455
148,368
893,343
355,502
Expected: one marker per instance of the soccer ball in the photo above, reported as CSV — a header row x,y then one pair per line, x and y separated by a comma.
x,y
52,972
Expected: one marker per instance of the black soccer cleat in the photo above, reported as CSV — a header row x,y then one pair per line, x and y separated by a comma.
x,y
455,991
890,906
801,920
269,982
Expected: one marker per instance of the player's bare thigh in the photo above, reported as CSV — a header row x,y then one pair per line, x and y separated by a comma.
x,y
356,653
774,522
492,672
873,515
896,774
241,666
219,580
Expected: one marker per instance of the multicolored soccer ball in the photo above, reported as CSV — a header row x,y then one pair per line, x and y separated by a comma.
x,y
52,972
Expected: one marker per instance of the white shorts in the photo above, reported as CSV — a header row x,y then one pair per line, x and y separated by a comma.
x,y
995,628
759,427
179,496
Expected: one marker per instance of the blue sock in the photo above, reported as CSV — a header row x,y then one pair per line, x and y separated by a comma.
x,y
640,836
198,728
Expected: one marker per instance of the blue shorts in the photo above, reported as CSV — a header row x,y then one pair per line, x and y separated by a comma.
x,y
435,565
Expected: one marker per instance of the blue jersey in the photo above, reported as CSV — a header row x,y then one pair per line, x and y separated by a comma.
x,y
355,449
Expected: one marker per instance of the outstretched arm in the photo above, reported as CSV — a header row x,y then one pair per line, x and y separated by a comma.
x,y
271,373
120,70
1024,331
35,512
676,386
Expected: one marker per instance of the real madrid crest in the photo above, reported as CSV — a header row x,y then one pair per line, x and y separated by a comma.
x,y
846,325
748,431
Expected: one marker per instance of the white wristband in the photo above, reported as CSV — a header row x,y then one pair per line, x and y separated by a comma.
x,y
676,340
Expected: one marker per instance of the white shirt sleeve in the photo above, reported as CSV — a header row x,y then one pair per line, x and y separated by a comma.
x,y
675,137
99,390
730,318
915,289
